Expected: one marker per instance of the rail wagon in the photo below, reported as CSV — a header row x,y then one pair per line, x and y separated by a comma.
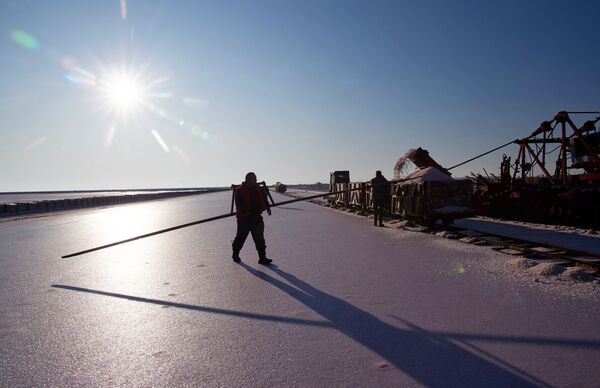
x,y
435,197
426,196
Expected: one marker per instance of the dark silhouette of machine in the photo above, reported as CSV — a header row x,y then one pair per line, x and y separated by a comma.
x,y
555,177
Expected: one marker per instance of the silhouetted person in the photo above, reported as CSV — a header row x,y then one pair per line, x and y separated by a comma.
x,y
381,193
250,202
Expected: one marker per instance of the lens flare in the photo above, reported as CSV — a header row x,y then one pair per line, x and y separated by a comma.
x,y
181,154
202,134
36,143
76,74
123,9
196,102
81,77
109,135
163,94
158,81
25,40
160,141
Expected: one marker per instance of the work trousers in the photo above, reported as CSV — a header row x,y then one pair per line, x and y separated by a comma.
x,y
378,208
254,224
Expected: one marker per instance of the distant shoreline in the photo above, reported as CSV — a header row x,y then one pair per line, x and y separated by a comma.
x,y
19,203
15,204
111,190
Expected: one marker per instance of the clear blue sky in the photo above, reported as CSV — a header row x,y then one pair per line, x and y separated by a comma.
x,y
290,90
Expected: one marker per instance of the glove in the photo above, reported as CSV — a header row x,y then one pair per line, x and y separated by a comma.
x,y
269,211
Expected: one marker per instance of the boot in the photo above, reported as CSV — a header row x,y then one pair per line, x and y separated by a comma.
x,y
236,256
264,260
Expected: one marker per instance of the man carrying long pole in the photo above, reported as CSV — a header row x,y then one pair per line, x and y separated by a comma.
x,y
250,202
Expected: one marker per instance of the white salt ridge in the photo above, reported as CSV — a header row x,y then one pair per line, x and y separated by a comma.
x,y
552,270
522,263
548,269
428,174
577,274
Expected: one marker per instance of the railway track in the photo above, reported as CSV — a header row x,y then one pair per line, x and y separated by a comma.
x,y
540,252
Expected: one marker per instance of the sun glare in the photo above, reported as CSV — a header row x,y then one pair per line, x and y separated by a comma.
x,y
124,92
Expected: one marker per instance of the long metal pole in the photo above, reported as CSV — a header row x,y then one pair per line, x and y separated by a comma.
x,y
201,222
273,205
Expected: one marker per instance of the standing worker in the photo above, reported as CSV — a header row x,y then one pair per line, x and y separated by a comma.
x,y
381,193
250,202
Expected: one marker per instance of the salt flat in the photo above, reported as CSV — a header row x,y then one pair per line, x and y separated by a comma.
x,y
346,305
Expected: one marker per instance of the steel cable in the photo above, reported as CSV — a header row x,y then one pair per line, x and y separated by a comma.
x,y
480,155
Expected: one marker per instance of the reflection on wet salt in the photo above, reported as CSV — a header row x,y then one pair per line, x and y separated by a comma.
x,y
125,263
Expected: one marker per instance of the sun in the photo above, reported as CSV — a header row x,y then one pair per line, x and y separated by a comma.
x,y
123,92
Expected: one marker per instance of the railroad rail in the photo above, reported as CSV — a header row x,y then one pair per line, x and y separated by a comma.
x,y
541,252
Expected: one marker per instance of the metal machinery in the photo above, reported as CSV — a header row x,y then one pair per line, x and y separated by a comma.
x,y
555,177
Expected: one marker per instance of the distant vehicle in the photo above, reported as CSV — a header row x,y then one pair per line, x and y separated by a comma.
x,y
280,187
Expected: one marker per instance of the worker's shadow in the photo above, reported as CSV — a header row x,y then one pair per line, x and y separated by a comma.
x,y
430,359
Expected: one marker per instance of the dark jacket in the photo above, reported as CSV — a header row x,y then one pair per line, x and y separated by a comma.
x,y
381,187
250,199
